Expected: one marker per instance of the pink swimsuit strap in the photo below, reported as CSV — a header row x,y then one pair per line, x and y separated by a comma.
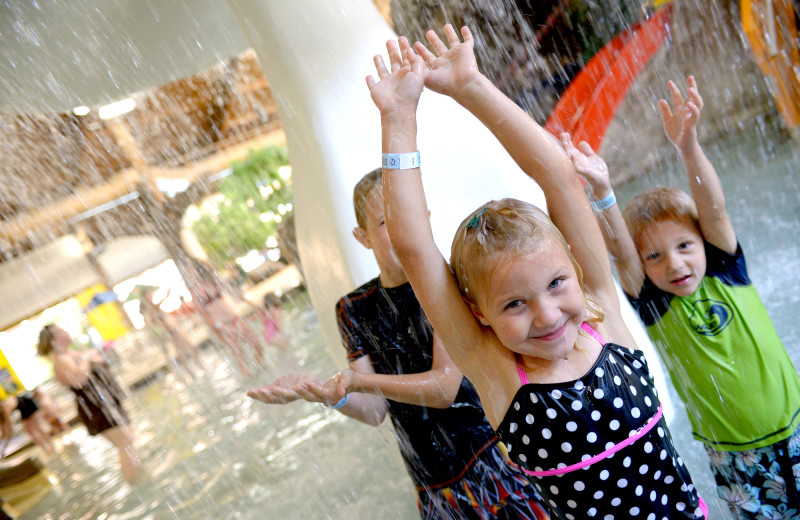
x,y
523,377
593,333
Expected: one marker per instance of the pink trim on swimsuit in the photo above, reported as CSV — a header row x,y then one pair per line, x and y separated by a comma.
x,y
703,506
604,454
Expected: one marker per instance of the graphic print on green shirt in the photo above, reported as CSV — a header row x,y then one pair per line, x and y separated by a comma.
x,y
710,317
725,358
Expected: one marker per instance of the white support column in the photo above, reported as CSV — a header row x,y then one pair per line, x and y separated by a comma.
x,y
316,56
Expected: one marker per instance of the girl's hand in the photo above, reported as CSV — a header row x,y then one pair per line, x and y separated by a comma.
x,y
398,90
452,68
589,164
680,121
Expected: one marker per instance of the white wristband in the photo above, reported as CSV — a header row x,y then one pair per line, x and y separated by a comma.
x,y
604,203
400,161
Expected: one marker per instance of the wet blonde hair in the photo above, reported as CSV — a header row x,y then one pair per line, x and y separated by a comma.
x,y
658,205
504,228
360,193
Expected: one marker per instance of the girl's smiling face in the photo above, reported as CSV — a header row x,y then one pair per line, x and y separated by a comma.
x,y
534,302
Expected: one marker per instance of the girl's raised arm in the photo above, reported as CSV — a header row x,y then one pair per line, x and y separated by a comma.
x,y
454,73
396,94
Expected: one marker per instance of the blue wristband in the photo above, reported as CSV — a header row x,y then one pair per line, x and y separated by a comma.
x,y
400,161
341,403
604,203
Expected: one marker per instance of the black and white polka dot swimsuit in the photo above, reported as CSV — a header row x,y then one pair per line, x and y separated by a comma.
x,y
598,446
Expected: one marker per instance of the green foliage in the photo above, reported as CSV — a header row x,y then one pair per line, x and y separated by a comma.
x,y
255,187
260,169
600,21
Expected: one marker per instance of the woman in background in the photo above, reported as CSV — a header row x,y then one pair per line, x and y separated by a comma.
x,y
97,395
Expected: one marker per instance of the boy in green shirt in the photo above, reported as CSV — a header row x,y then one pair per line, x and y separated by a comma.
x,y
682,268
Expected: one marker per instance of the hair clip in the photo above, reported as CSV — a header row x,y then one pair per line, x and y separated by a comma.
x,y
474,221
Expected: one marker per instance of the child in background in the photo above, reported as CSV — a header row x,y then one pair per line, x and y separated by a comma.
x,y
215,305
683,269
155,316
398,366
50,412
271,328
31,417
578,412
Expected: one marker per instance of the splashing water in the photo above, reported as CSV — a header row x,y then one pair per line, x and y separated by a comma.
x,y
209,451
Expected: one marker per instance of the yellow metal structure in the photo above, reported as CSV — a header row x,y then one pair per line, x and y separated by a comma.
x,y
103,311
9,382
771,29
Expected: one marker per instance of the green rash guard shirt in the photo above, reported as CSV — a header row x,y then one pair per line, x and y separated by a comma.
x,y
724,355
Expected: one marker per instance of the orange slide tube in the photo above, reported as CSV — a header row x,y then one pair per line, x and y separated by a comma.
x,y
771,30
589,103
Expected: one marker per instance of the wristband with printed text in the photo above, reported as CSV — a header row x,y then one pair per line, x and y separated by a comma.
x,y
400,161
604,203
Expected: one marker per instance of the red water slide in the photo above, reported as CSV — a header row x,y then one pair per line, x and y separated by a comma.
x,y
587,106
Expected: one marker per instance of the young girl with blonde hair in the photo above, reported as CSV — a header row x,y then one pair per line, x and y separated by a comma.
x,y
578,411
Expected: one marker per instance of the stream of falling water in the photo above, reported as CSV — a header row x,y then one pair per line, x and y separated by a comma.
x,y
211,452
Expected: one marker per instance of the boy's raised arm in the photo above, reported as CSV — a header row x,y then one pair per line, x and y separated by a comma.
x,y
615,232
454,73
680,125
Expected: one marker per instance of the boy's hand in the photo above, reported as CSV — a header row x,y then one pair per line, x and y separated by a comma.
x,y
329,392
680,122
451,68
397,91
282,390
589,164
